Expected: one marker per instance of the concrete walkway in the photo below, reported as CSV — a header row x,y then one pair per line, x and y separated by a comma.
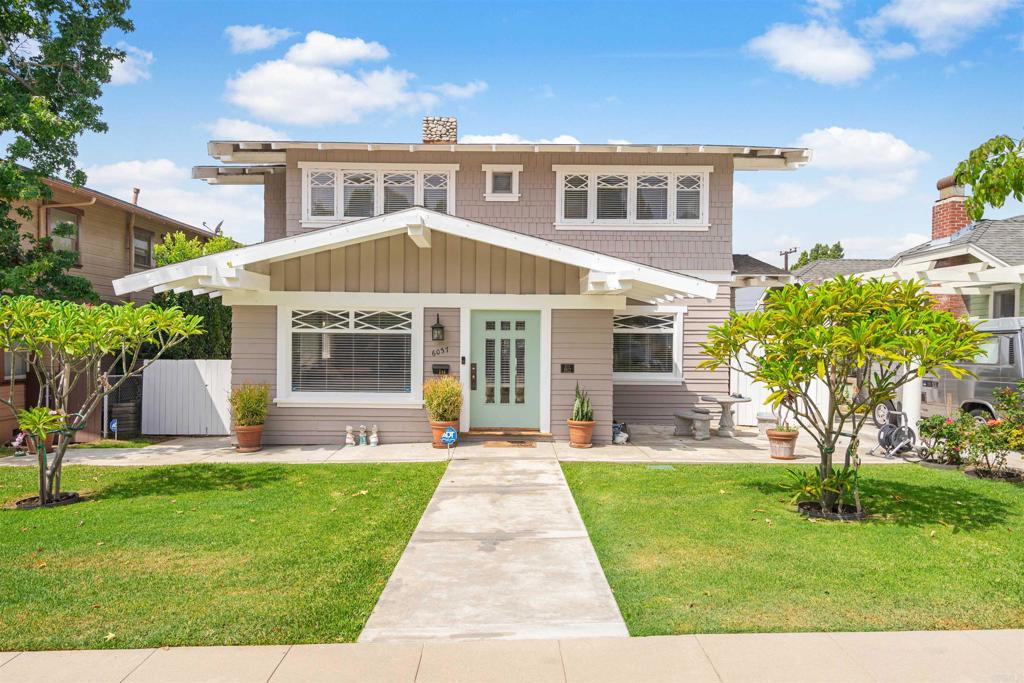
x,y
500,553
907,657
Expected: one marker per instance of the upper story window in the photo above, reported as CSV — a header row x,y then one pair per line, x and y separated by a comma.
x,y
502,182
339,192
142,248
634,197
69,216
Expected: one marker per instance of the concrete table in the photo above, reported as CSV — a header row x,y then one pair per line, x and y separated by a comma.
x,y
726,425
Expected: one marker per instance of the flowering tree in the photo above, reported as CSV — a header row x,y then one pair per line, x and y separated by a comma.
x,y
877,335
68,345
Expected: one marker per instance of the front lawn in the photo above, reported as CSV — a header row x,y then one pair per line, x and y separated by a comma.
x,y
716,548
204,554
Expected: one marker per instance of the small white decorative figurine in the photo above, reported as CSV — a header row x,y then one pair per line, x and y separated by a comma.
x,y
374,438
350,438
362,435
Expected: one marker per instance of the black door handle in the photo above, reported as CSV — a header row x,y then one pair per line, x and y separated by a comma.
x,y
472,376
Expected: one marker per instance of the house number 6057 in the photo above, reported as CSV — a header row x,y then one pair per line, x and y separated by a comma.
x,y
439,351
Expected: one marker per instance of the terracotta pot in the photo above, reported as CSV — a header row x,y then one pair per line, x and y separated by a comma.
x,y
581,434
250,439
437,428
31,444
782,444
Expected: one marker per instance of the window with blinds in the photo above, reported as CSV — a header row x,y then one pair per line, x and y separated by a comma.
x,y
643,343
358,194
501,182
399,191
321,193
634,197
371,192
435,192
352,351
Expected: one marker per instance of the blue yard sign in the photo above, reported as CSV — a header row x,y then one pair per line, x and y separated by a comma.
x,y
113,425
450,436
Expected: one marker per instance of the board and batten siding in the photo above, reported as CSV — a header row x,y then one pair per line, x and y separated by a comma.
x,y
254,359
534,213
452,264
657,403
582,338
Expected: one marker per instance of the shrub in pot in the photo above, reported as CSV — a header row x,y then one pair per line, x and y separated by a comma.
x,y
782,441
581,424
442,397
249,409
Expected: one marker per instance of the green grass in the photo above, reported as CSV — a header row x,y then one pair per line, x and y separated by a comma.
x,y
121,443
715,548
204,554
6,451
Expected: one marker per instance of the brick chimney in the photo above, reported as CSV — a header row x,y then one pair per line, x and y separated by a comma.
x,y
948,214
440,130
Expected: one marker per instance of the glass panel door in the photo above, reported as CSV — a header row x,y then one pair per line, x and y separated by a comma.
x,y
505,359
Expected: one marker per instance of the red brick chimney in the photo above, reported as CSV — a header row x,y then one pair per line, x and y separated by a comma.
x,y
948,214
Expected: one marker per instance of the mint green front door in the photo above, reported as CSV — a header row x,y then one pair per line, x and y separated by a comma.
x,y
504,370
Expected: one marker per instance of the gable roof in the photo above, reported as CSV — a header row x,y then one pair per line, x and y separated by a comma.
x,y
823,269
227,270
1002,238
745,264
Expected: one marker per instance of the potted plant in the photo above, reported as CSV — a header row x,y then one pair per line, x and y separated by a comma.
x,y
249,408
782,441
581,424
442,397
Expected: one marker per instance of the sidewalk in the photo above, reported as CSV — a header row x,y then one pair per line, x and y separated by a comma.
x,y
906,657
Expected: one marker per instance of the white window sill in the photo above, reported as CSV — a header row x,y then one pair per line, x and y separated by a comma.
x,y
324,222
506,197
639,380
674,227
313,401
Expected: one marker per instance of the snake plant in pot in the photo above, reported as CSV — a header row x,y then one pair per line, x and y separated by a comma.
x,y
581,424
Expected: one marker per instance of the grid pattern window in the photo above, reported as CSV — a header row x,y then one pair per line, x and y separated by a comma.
x,y
368,192
56,217
644,343
352,351
142,248
655,198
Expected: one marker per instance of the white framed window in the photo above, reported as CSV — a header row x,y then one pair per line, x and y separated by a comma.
x,y
647,345
501,182
1004,302
632,197
350,356
372,189
142,248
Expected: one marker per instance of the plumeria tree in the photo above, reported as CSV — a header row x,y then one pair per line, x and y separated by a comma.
x,y
862,341
69,346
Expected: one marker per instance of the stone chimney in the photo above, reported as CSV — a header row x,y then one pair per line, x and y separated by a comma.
x,y
440,130
948,214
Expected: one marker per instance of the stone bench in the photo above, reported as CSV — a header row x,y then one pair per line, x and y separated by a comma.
x,y
695,422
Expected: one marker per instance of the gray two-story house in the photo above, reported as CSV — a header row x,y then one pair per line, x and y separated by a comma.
x,y
521,269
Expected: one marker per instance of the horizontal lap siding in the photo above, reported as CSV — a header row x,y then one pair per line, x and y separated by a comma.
x,y
656,404
534,213
583,338
254,359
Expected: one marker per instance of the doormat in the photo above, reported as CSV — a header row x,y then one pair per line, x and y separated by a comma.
x,y
510,444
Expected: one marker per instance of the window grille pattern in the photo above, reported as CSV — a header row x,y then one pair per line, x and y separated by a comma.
x,y
652,198
575,196
643,343
399,191
612,197
358,194
321,193
369,192
688,189
352,351
633,198
435,192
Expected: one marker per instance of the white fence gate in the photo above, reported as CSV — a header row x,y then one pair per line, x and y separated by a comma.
x,y
746,413
186,397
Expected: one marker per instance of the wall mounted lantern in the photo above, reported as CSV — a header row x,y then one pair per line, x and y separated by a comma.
x,y
437,330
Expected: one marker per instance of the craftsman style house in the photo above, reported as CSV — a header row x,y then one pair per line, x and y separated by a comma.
x,y
521,269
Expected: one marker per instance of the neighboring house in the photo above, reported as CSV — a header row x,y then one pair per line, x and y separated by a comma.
x,y
822,269
973,268
751,278
115,238
521,269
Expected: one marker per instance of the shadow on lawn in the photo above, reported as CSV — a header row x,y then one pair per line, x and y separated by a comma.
x,y
150,481
920,505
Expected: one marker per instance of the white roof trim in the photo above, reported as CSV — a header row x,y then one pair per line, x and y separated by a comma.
x,y
226,270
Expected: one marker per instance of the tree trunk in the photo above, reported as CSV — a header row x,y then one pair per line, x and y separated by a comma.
x,y
41,458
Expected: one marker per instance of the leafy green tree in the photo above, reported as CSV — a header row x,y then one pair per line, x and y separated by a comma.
x,y
995,171
216,341
879,335
818,251
53,64
66,345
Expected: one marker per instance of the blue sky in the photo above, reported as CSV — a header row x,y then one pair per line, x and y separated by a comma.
x,y
891,94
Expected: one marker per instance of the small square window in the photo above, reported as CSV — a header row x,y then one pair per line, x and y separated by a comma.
x,y
501,182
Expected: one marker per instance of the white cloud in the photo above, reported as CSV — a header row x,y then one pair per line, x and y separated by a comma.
x,y
258,37
824,9
872,188
239,129
856,148
785,195
168,189
461,92
134,68
324,49
895,50
308,74
938,24
819,52
880,246
514,139
615,141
